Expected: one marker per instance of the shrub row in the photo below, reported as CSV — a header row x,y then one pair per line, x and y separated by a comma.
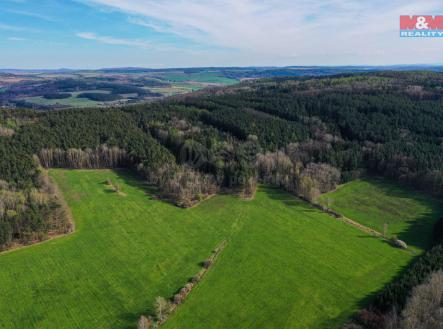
x,y
164,308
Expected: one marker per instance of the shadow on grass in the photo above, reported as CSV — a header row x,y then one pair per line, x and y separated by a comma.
x,y
420,230
129,320
132,179
418,233
339,321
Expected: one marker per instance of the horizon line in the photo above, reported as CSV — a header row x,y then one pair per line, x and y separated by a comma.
x,y
214,67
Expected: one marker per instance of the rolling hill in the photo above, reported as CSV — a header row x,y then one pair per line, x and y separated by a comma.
x,y
286,265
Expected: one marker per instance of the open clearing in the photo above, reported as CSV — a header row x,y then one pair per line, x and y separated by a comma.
x,y
70,101
373,202
286,264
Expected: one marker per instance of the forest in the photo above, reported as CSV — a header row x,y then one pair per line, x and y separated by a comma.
x,y
305,135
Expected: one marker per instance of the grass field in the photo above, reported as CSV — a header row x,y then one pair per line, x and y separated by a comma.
x,y
176,88
373,202
72,101
286,264
205,77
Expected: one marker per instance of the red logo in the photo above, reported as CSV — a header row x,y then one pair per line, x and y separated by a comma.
x,y
421,22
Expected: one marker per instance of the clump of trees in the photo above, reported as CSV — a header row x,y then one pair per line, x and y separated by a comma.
x,y
206,150
424,307
185,186
31,215
306,181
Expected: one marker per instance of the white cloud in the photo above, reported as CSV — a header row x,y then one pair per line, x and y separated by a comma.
x,y
16,39
9,27
15,28
31,14
292,31
114,41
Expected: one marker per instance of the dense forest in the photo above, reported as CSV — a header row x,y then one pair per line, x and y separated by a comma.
x,y
305,135
386,123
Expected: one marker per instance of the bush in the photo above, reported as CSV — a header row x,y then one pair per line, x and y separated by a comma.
x,y
398,243
178,299
188,287
162,308
207,263
144,322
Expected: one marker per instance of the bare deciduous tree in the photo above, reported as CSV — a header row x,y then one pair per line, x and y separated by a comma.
x,y
162,308
424,308
101,157
144,322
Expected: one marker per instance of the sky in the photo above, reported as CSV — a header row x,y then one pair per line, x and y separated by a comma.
x,y
38,34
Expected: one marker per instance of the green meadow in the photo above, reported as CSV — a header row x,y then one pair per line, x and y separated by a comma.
x,y
72,101
374,202
203,77
286,264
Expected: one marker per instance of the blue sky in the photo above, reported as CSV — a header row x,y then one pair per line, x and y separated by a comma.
x,y
184,33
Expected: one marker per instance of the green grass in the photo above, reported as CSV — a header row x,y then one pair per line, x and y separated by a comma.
x,y
175,88
72,101
203,77
373,202
286,264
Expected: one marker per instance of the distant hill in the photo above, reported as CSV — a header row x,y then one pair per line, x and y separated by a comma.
x,y
251,71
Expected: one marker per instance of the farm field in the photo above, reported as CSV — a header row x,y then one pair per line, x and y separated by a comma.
x,y
70,101
205,77
176,88
286,265
74,101
373,202
31,87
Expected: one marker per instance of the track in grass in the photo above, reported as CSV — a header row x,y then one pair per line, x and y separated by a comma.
x,y
373,202
287,265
